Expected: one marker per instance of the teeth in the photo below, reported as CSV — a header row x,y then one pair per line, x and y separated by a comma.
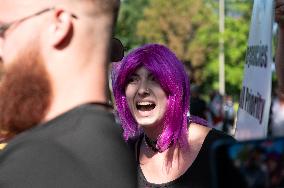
x,y
145,106
144,103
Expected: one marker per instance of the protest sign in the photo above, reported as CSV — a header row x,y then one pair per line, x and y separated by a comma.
x,y
255,97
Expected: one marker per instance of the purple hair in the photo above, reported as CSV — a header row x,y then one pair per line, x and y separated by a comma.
x,y
171,75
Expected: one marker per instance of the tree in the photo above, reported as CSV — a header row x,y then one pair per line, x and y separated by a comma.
x,y
183,26
190,29
130,13
236,41
237,23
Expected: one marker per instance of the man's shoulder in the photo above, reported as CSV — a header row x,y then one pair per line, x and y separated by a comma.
x,y
86,112
81,127
83,121
80,145
35,162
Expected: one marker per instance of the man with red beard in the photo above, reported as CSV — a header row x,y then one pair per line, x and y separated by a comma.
x,y
54,108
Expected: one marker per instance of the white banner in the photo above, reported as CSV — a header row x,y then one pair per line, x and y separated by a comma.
x,y
254,104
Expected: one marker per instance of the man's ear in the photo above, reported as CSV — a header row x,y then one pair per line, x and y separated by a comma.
x,y
61,28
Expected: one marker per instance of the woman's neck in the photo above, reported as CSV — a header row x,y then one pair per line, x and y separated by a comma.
x,y
152,132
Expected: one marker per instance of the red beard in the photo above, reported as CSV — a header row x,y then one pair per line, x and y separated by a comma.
x,y
25,94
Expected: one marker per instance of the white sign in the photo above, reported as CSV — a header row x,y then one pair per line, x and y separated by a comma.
x,y
254,104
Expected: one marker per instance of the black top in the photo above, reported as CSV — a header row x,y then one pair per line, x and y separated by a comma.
x,y
198,174
81,148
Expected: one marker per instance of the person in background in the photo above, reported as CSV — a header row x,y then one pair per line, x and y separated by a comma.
x,y
229,115
277,119
151,91
54,107
197,104
215,108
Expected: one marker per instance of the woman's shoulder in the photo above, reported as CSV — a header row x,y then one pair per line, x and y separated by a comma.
x,y
198,130
205,134
197,133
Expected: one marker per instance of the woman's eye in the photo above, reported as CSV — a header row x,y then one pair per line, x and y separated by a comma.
x,y
152,78
132,79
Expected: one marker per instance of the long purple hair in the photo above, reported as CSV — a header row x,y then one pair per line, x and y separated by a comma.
x,y
171,75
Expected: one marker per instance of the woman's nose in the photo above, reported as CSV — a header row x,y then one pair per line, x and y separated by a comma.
x,y
143,89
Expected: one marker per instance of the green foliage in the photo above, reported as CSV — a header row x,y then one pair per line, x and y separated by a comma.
x,y
130,13
237,23
190,28
236,40
183,26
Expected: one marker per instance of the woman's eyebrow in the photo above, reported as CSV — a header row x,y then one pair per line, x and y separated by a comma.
x,y
151,75
134,74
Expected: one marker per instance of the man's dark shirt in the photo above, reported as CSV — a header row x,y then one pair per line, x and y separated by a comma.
x,y
81,148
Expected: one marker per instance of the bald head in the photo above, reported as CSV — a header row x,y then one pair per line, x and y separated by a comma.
x,y
101,7
98,6
92,8
72,39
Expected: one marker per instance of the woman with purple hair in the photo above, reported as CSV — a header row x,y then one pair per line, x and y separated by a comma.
x,y
151,91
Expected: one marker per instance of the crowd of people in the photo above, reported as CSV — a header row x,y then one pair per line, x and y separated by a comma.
x,y
57,124
219,111
260,162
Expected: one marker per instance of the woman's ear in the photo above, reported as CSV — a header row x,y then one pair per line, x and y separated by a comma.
x,y
61,28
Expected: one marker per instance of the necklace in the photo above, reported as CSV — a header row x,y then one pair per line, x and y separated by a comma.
x,y
151,144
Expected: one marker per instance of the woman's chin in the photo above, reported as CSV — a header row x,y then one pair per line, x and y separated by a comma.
x,y
146,122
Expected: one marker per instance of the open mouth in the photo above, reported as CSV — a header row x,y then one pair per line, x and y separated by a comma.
x,y
145,106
